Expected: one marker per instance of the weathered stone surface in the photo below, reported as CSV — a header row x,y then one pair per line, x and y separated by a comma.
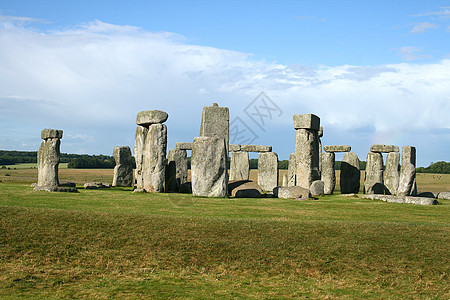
x,y
337,148
256,148
284,182
384,148
392,173
96,185
51,134
186,187
235,148
208,167
292,192
239,166
403,199
307,121
149,117
154,158
428,195
245,189
292,170
123,171
328,174
141,135
215,122
407,185
268,170
350,174
48,161
373,183
444,195
320,133
183,146
317,188
307,157
56,189
177,170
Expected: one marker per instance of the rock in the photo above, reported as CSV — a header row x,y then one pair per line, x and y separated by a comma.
x,y
291,192
245,189
402,199
392,173
123,171
215,123
268,170
67,184
183,146
428,195
177,170
373,183
320,133
209,167
292,170
444,195
350,174
337,148
407,185
384,148
96,185
56,189
235,148
186,187
51,134
307,121
307,157
154,164
328,174
148,117
285,180
239,166
256,148
317,188
141,135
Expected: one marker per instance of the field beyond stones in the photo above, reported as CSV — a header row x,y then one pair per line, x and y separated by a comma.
x,y
113,243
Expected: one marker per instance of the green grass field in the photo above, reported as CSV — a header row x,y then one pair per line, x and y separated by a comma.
x,y
115,243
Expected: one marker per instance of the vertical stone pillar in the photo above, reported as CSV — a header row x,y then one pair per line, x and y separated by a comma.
x,y
268,171
307,149
350,174
177,171
48,158
407,185
208,167
328,174
216,122
373,182
239,166
392,173
320,133
150,150
292,170
123,171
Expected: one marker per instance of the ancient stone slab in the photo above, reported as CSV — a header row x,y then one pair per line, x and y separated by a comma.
x,y
307,121
292,170
215,122
392,173
384,148
403,199
407,185
51,134
317,188
337,148
284,182
444,195
140,137
149,117
373,182
177,170
183,146
256,148
350,174
208,167
123,171
239,166
154,158
48,159
245,189
307,157
235,148
328,174
292,192
268,170
56,189
96,185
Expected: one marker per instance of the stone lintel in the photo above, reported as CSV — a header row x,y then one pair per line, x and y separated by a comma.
x,y
337,148
384,148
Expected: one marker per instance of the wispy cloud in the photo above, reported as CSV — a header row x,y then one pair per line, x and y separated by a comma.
x,y
422,27
411,53
443,12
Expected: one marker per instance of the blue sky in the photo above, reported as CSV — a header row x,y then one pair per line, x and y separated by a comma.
x,y
374,71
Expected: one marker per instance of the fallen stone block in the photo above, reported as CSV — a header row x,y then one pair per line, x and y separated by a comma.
x,y
291,192
245,189
402,199
317,188
444,195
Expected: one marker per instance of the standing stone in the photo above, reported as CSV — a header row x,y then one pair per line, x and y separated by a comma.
x,y
154,164
141,135
392,173
215,122
373,183
123,171
268,171
177,171
208,167
307,157
407,185
292,170
320,134
48,158
239,166
328,174
284,182
350,174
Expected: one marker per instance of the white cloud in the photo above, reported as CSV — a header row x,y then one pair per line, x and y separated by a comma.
x,y
410,53
422,27
443,12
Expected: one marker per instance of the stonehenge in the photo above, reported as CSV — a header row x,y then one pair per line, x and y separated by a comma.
x,y
407,184
328,160
268,170
373,182
123,171
350,174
